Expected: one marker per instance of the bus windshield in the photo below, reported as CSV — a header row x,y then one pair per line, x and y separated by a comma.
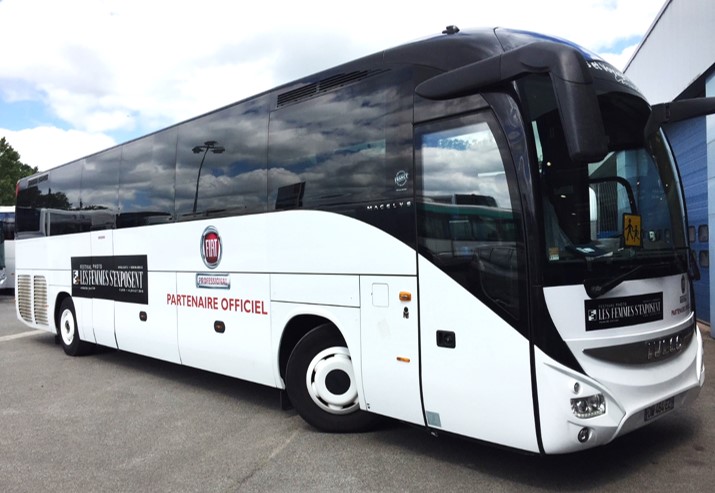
x,y
622,217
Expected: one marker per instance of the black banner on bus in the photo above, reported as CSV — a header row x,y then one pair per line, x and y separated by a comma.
x,y
619,312
119,278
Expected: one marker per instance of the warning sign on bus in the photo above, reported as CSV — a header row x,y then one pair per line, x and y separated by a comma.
x,y
632,230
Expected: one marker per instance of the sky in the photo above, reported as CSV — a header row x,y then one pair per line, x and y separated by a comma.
x,y
78,76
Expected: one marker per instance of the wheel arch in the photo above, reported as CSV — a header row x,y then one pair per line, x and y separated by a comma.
x,y
296,328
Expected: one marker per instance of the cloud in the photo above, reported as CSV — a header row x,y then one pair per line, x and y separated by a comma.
x,y
46,147
127,67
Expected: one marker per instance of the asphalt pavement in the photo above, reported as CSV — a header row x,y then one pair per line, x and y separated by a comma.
x,y
114,421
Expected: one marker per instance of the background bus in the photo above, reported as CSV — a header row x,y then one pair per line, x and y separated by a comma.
x,y
7,247
479,233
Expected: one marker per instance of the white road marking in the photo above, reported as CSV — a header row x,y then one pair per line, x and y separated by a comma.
x,y
19,336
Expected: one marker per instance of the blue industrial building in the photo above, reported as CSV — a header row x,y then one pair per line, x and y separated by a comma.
x,y
676,60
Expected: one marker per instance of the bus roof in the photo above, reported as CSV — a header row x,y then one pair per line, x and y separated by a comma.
x,y
451,49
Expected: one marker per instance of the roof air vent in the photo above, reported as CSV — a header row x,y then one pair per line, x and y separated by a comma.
x,y
328,84
451,30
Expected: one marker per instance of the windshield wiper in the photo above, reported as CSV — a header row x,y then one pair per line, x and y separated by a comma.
x,y
596,288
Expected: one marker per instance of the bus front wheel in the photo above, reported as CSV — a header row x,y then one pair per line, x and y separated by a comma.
x,y
321,383
69,335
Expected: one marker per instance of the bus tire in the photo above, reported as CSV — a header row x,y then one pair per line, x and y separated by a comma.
x,y
321,385
69,335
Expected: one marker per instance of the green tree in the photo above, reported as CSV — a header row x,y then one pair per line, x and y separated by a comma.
x,y
11,170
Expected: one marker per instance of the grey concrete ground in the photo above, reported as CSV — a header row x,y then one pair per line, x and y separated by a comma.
x,y
114,421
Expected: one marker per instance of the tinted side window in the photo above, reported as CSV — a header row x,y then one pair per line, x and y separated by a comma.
x,y
146,180
100,189
60,211
468,215
31,192
8,225
349,151
332,149
77,197
221,162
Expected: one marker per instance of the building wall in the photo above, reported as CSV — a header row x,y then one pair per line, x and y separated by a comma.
x,y
687,139
710,146
678,49
677,59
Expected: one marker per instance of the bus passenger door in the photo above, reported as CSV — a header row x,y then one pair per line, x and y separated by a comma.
x,y
474,349
102,243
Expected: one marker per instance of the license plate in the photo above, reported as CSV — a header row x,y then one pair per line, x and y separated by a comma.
x,y
660,408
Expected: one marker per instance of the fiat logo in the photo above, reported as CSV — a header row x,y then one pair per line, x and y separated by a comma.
x,y
211,247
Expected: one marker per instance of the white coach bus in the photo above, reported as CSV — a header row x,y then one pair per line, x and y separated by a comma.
x,y
482,233
7,247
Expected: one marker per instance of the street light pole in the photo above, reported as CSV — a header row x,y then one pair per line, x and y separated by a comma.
x,y
209,145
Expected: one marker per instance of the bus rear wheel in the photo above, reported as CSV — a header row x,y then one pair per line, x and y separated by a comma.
x,y
69,335
321,383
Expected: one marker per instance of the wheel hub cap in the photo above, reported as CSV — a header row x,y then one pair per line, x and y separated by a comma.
x,y
331,382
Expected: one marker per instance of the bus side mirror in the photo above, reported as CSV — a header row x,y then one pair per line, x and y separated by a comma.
x,y
677,111
572,82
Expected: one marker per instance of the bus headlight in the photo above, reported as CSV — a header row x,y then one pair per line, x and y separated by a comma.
x,y
588,407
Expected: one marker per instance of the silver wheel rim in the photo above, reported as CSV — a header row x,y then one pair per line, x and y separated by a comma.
x,y
325,363
67,327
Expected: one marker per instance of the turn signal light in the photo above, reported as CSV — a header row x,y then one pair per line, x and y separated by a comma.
x,y
405,296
